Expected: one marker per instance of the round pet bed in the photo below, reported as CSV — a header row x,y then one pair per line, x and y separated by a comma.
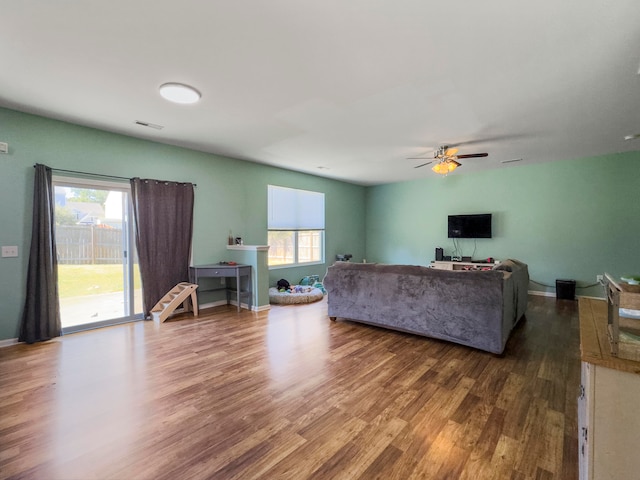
x,y
285,298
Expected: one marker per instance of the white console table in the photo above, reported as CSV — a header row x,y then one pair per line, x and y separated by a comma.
x,y
462,265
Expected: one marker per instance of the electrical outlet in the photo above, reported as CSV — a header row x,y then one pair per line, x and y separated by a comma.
x,y
10,251
599,278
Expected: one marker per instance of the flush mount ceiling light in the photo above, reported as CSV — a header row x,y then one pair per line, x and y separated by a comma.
x,y
179,93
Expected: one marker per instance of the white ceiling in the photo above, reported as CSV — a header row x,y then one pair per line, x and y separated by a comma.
x,y
342,89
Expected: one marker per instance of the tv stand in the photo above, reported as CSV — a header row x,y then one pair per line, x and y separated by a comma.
x,y
440,265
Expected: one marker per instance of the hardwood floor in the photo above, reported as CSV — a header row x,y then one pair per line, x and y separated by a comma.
x,y
291,395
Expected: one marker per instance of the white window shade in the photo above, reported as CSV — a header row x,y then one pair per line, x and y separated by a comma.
x,y
293,209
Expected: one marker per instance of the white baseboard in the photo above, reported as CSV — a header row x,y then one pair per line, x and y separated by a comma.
x,y
254,308
552,294
212,304
8,342
541,294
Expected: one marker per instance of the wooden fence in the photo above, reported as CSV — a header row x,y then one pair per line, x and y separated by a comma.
x,y
88,244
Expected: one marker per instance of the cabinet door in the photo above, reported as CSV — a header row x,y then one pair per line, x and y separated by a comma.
x,y
585,421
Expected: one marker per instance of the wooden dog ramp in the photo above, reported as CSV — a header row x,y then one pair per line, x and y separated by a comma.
x,y
173,299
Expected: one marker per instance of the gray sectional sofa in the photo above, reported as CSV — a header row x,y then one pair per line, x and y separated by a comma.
x,y
474,308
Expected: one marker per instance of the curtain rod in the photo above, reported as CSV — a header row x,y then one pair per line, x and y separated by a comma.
x,y
97,174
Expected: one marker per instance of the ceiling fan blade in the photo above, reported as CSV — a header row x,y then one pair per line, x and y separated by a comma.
x,y
492,138
451,160
428,163
450,152
473,155
423,154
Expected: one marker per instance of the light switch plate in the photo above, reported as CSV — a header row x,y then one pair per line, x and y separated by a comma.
x,y
10,251
4,147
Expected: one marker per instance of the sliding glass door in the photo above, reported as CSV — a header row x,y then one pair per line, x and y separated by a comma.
x,y
98,275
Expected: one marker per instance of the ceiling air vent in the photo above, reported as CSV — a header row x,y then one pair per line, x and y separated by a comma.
x,y
150,125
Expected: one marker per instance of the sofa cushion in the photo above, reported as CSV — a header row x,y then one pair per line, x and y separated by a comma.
x,y
507,266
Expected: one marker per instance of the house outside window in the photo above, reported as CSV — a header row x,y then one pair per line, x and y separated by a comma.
x,y
295,227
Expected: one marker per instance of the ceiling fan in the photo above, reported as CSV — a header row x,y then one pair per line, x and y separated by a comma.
x,y
447,159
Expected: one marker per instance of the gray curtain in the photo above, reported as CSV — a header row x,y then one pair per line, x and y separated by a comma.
x,y
41,314
163,213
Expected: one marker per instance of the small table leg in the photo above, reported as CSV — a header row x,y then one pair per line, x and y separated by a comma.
x,y
238,287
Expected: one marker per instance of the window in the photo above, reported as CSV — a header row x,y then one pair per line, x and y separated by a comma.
x,y
296,226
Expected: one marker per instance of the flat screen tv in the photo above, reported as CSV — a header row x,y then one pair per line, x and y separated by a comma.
x,y
470,226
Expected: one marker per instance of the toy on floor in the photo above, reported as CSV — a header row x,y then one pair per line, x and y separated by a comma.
x,y
283,285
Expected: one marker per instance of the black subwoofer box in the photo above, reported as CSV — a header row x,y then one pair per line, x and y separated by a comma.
x,y
565,289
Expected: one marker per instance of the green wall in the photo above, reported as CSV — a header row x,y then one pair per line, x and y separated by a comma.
x,y
231,195
567,220
571,219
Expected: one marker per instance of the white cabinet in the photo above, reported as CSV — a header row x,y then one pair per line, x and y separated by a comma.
x,y
462,265
608,415
609,424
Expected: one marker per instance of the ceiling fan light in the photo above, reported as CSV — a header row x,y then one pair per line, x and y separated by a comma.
x,y
441,168
179,93
450,152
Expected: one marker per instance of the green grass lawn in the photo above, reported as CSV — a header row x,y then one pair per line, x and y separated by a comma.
x,y
79,280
